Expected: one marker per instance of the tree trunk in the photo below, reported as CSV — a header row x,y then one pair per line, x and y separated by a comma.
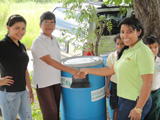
x,y
148,12
99,34
100,0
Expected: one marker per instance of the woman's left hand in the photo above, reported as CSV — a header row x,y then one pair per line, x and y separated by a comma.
x,y
31,96
134,115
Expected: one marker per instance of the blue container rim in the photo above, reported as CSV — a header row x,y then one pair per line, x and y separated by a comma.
x,y
82,61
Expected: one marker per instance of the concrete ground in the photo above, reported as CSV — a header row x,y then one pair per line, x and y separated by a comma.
x,y
30,64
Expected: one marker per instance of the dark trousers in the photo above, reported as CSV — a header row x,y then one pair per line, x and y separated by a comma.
x,y
125,106
49,101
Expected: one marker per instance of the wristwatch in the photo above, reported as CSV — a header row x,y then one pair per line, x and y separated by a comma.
x,y
138,110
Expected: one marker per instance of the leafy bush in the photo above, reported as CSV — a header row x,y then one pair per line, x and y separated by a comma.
x,y
36,111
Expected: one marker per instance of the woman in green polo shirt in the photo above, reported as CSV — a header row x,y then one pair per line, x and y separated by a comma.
x,y
134,71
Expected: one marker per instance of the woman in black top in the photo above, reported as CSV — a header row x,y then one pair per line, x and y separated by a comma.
x,y
14,98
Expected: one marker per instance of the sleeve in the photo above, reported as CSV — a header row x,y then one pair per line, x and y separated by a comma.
x,y
145,60
39,49
109,60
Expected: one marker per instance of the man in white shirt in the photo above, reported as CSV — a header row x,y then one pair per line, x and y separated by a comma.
x,y
46,68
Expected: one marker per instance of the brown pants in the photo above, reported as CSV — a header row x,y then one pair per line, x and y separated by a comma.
x,y
49,101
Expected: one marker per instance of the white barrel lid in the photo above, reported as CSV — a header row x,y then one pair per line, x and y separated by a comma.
x,y
82,61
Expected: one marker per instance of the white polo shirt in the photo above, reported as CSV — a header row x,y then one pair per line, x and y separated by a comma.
x,y
112,58
156,78
45,75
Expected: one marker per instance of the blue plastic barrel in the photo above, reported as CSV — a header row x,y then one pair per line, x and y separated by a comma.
x,y
85,103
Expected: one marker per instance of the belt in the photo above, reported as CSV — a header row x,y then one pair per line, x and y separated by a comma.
x,y
2,88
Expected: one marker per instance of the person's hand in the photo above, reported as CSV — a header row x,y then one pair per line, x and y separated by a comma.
x,y
81,74
6,81
83,71
134,115
75,72
31,96
108,93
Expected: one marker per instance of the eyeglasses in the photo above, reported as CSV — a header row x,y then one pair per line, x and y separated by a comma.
x,y
47,23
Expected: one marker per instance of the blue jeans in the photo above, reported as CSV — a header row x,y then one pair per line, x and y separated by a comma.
x,y
125,106
13,103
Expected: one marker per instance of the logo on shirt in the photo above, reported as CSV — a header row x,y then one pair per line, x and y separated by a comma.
x,y
127,58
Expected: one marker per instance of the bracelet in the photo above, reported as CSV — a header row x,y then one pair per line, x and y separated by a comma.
x,y
138,110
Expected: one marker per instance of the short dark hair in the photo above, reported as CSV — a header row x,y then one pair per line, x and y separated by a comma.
x,y
116,37
14,19
150,40
134,23
47,16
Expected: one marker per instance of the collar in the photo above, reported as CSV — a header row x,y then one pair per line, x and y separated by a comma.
x,y
9,40
116,52
157,59
46,37
137,45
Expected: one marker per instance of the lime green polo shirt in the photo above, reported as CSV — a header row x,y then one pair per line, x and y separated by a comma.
x,y
134,62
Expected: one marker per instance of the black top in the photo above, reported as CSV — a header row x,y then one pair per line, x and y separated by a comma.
x,y
13,62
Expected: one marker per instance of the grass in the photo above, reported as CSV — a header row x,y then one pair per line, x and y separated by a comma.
x,y
31,11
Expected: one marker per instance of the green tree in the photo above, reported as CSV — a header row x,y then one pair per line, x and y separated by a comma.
x,y
87,15
147,11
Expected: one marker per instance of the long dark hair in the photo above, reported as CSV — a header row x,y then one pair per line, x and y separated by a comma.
x,y
136,25
14,19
